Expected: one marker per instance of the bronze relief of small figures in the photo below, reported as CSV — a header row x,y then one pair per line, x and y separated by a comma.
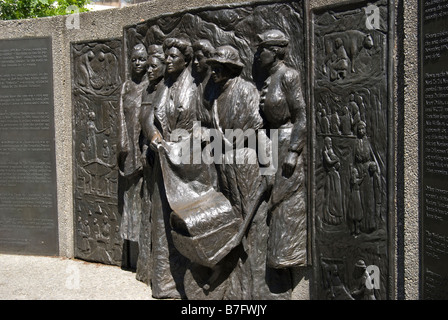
x,y
348,71
96,94
355,112
333,213
335,121
364,158
325,122
363,291
92,132
97,70
336,288
337,63
283,106
355,212
346,121
365,59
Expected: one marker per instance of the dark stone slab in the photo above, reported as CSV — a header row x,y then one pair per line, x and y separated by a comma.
x,y
28,207
433,145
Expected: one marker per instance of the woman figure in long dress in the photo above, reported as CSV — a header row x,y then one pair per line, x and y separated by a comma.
x,y
333,194
364,158
283,107
155,71
355,212
235,106
172,108
130,146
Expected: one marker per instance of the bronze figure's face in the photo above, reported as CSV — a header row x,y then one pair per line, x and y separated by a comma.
x,y
220,74
199,62
266,56
175,61
138,61
156,68
361,130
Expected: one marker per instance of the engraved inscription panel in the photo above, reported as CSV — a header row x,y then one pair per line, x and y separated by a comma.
x,y
28,212
351,110
434,143
96,87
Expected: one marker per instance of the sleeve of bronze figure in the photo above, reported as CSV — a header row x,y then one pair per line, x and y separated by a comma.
x,y
297,109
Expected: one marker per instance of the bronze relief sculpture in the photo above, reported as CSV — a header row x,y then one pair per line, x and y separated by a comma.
x,y
96,94
284,109
219,228
241,159
351,98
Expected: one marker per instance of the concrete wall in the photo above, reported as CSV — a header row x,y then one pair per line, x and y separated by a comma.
x,y
109,24
408,162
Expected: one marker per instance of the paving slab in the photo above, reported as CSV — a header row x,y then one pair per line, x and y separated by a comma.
x,y
25,277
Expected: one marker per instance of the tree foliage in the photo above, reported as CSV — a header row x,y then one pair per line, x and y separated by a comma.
x,y
23,9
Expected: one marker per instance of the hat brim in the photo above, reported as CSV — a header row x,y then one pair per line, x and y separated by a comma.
x,y
279,43
232,64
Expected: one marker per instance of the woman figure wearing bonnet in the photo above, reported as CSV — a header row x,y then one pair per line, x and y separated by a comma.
x,y
234,104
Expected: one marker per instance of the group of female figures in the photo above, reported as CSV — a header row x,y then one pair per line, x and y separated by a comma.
x,y
363,212
171,87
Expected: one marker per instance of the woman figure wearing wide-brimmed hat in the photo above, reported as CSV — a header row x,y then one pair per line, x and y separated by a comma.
x,y
283,106
236,100
234,103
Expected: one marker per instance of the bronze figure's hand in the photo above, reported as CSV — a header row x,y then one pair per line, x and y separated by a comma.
x,y
290,164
